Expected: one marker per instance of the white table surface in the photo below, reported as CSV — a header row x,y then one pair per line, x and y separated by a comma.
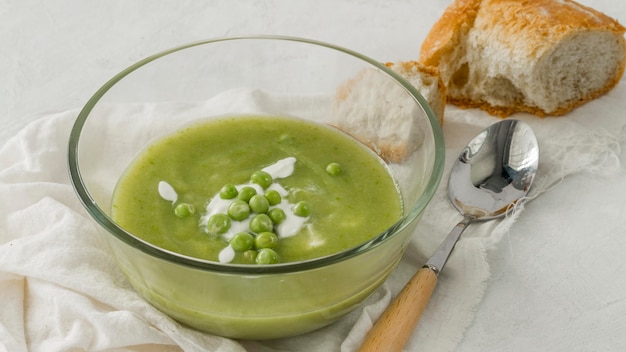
x,y
55,54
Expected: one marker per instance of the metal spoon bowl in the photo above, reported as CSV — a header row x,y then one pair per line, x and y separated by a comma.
x,y
493,173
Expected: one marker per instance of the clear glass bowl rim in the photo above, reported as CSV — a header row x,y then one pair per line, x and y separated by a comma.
x,y
105,221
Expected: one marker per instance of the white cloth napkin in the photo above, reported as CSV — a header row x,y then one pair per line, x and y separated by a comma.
x,y
61,289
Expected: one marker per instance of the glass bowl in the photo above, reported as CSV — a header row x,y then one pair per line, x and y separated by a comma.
x,y
251,75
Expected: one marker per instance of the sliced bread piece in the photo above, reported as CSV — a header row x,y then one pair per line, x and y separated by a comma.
x,y
544,57
426,80
376,110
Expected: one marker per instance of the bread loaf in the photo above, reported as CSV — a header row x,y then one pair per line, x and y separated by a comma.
x,y
376,110
544,57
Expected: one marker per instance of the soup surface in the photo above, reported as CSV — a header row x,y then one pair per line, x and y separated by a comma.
x,y
322,191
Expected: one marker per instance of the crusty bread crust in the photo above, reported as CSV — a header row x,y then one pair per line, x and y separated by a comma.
x,y
524,33
448,32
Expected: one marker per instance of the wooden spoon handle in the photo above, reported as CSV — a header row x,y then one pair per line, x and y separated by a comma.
x,y
395,325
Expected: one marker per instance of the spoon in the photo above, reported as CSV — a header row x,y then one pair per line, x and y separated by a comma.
x,y
491,175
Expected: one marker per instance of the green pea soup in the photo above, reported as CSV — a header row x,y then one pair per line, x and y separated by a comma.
x,y
350,194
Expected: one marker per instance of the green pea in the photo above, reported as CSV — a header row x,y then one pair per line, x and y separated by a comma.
x,y
333,169
228,191
238,210
245,193
277,215
184,210
261,223
249,256
262,179
265,240
273,197
218,223
259,204
242,242
302,209
267,256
